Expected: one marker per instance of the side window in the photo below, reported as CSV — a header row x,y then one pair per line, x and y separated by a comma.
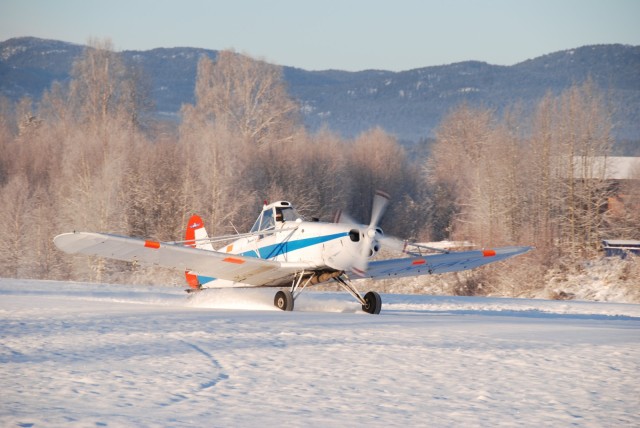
x,y
289,214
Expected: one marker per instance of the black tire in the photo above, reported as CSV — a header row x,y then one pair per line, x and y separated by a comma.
x,y
284,300
374,303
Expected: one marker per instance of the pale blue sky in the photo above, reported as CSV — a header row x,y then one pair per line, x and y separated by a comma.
x,y
341,34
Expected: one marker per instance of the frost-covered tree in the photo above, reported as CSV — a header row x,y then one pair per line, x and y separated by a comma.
x,y
246,96
583,136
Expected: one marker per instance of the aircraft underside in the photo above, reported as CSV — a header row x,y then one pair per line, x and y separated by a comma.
x,y
284,299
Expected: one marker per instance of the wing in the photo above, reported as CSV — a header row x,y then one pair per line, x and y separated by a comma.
x,y
440,263
232,267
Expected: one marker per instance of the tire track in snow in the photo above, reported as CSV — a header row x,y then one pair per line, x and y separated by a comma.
x,y
216,364
179,397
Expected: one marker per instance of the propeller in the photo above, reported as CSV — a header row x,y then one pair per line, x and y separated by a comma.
x,y
344,218
393,243
372,233
372,236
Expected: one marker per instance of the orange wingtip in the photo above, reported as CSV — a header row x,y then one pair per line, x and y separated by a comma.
x,y
152,244
233,260
488,253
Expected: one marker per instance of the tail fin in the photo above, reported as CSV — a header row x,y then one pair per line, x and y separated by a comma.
x,y
196,237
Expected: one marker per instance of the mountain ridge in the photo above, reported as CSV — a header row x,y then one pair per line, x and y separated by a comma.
x,y
408,104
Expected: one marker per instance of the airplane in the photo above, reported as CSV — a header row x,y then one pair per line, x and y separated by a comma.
x,y
283,250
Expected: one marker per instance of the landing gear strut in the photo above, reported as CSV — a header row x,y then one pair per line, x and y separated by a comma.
x,y
371,302
283,300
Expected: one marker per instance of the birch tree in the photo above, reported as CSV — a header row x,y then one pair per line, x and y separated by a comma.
x,y
98,138
246,96
584,136
542,167
460,162
242,112
15,208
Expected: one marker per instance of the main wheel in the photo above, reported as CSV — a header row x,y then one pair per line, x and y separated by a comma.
x,y
374,303
284,300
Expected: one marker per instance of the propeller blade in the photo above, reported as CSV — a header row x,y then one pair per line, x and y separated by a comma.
x,y
380,201
393,243
344,218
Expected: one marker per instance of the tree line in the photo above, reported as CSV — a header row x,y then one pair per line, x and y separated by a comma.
x,y
89,156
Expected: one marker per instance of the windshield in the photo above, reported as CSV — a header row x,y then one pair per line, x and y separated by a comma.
x,y
267,220
269,217
264,222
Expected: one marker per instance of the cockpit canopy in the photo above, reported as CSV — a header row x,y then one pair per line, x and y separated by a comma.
x,y
275,213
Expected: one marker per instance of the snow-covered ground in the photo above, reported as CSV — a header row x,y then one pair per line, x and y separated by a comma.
x,y
110,355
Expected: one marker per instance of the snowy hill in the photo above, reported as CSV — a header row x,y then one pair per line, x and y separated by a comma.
x,y
106,355
408,104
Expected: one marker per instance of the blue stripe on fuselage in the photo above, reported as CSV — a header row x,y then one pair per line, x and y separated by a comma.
x,y
274,250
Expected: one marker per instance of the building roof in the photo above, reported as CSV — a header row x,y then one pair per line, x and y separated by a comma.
x,y
607,167
623,168
620,243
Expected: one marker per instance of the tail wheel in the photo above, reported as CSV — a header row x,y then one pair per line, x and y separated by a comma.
x,y
284,300
373,303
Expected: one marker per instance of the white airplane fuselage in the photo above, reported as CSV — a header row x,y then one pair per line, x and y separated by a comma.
x,y
318,246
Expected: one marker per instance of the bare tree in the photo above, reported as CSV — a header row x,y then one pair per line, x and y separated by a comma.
x,y
461,159
15,209
310,173
375,161
584,136
241,107
103,89
246,96
542,154
6,140
97,138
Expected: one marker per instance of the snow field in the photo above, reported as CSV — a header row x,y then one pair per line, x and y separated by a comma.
x,y
106,355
